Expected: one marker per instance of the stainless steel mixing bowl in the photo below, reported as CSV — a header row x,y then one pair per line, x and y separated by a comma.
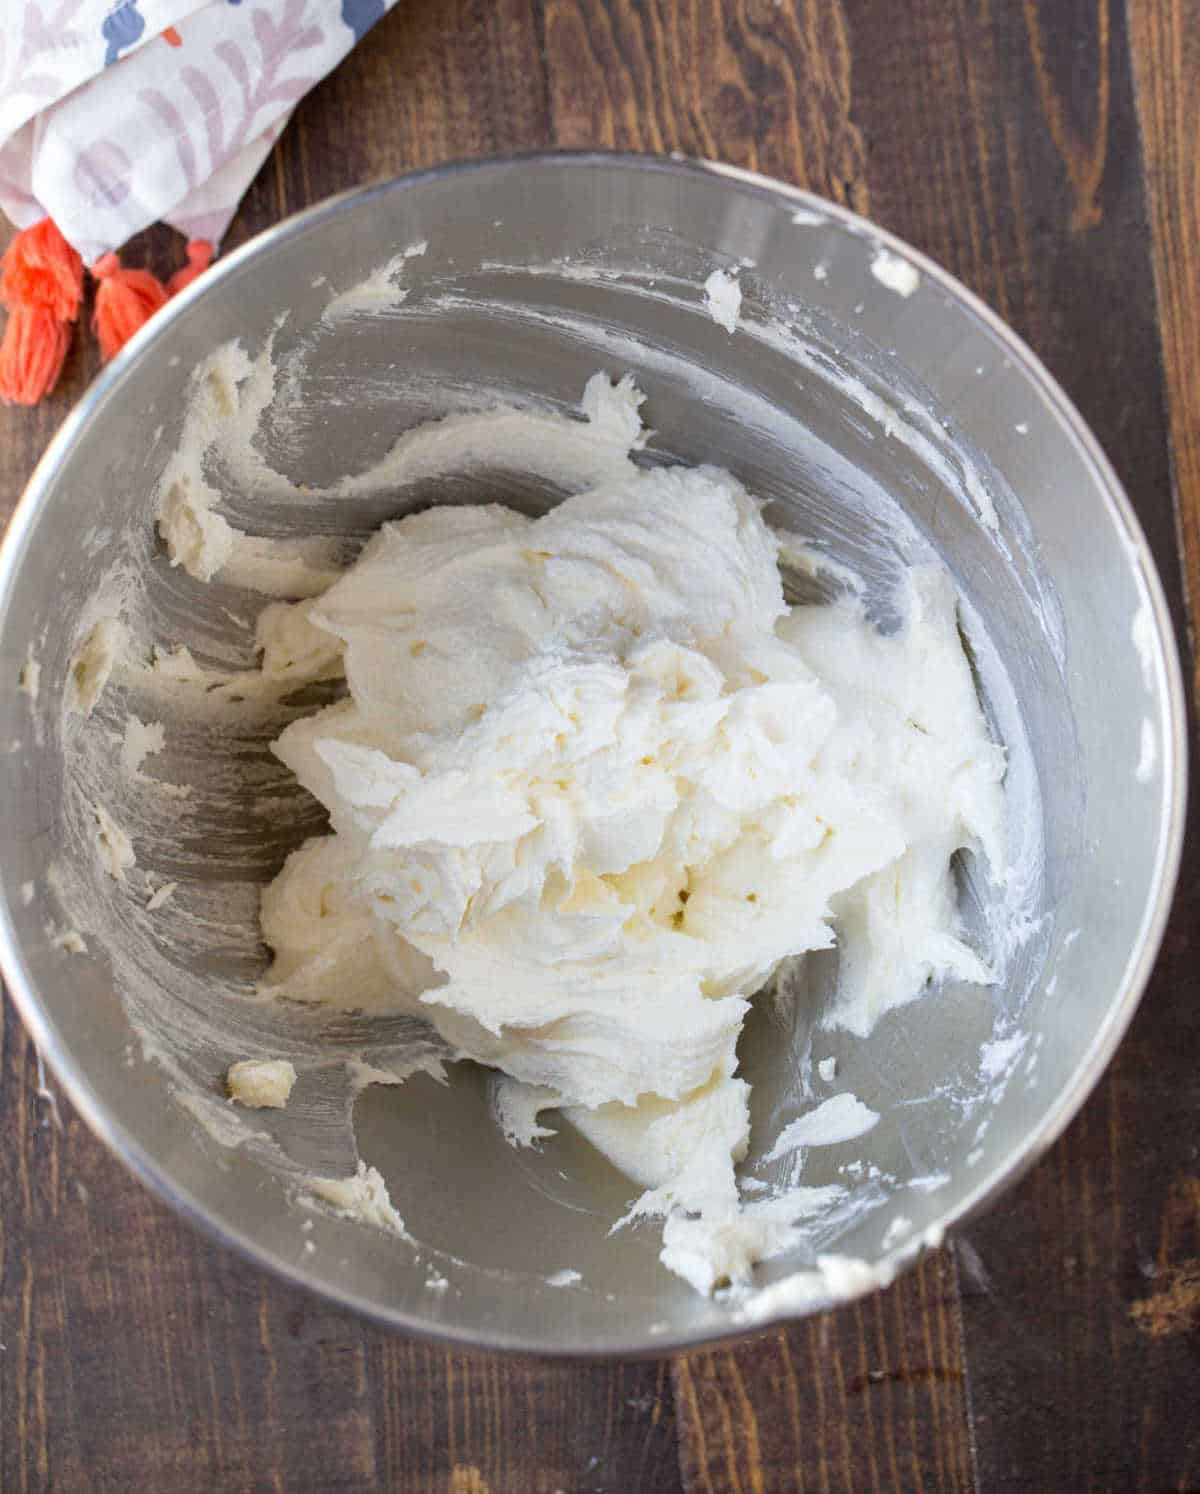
x,y
850,374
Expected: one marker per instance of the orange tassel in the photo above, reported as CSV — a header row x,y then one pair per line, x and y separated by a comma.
x,y
32,354
125,302
41,283
199,253
41,269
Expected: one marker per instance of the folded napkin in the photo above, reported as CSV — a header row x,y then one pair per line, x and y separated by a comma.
x,y
115,114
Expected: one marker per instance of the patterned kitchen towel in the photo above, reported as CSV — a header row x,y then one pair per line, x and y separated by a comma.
x,y
115,114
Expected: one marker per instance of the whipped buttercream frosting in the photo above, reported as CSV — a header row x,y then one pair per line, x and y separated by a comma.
x,y
593,781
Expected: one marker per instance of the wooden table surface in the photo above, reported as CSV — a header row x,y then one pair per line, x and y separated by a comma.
x,y
1046,154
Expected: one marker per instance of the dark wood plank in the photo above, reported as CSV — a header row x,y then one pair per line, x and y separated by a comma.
x,y
1165,43
1165,40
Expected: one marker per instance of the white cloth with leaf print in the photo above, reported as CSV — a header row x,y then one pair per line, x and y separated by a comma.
x,y
117,113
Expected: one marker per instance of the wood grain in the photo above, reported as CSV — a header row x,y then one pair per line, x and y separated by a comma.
x,y
756,84
1166,59
870,1398
1055,1348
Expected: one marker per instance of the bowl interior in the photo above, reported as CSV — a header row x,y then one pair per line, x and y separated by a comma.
x,y
879,419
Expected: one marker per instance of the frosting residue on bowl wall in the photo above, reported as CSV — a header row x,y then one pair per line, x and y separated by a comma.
x,y
171,691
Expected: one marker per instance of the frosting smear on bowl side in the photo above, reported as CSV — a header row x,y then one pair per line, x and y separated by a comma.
x,y
594,781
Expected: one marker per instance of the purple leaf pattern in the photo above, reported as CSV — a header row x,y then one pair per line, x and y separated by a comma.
x,y
24,75
259,81
199,85
102,174
50,47
159,104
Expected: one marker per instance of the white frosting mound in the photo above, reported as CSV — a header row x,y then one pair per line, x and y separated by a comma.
x,y
594,781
